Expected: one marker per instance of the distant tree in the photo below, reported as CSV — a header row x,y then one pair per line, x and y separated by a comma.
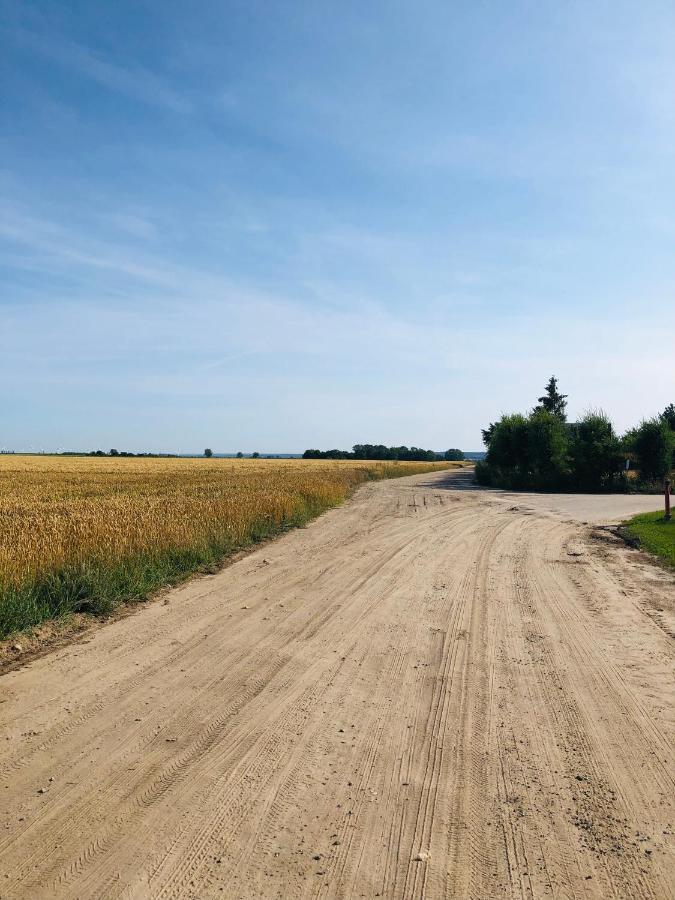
x,y
553,401
376,451
668,415
255,455
453,454
208,453
240,455
114,452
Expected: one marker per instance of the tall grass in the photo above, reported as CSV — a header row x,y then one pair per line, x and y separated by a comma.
x,y
84,534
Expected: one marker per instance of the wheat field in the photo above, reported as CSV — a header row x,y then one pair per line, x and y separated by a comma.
x,y
81,533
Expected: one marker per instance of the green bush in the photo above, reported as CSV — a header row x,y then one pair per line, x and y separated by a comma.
x,y
527,452
595,453
548,449
483,474
543,451
653,444
507,456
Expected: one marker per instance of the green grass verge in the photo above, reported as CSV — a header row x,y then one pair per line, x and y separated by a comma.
x,y
97,587
654,534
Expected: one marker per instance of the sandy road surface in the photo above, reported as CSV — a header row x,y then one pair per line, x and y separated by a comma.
x,y
427,693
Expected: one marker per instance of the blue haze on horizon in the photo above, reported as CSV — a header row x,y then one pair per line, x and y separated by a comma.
x,y
269,226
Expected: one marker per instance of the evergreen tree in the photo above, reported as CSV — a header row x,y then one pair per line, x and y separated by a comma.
x,y
668,415
553,401
488,432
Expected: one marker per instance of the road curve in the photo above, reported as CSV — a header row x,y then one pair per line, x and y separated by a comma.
x,y
430,692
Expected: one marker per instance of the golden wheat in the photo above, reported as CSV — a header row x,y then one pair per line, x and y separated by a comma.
x,y
58,511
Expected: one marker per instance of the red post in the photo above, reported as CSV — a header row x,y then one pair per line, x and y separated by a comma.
x,y
666,497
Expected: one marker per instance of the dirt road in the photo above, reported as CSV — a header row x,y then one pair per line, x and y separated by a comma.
x,y
430,692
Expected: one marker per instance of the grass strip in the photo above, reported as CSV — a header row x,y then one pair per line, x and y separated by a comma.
x,y
654,534
98,586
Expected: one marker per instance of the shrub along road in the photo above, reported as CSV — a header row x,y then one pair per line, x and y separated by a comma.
x,y
430,692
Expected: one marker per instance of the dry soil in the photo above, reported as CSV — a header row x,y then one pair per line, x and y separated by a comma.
x,y
430,692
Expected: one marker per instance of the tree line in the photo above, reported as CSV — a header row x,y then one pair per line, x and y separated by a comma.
x,y
115,452
379,451
542,450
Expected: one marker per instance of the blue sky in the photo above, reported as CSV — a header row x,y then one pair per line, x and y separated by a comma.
x,y
286,224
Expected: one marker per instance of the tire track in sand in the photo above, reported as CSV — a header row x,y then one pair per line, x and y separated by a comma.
x,y
421,695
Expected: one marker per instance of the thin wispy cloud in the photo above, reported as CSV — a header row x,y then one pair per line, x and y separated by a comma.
x,y
290,226
47,247
133,81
